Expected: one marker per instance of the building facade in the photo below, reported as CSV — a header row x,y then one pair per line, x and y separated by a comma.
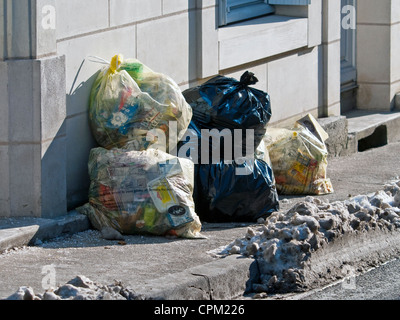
x,y
323,57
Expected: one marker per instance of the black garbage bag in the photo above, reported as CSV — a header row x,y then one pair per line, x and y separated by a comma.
x,y
229,189
225,103
222,194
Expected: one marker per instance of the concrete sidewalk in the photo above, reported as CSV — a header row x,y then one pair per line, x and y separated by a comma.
x,y
158,267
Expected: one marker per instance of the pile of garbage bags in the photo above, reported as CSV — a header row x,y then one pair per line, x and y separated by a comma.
x,y
137,187
168,160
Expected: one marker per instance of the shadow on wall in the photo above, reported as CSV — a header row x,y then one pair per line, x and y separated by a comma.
x,y
53,175
192,54
79,140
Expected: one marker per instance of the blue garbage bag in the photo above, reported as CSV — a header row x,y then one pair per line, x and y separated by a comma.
x,y
223,195
241,190
226,103
231,190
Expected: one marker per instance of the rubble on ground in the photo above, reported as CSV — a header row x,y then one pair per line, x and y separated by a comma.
x,y
286,240
79,288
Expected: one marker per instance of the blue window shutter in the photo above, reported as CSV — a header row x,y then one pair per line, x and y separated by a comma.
x,y
238,10
290,2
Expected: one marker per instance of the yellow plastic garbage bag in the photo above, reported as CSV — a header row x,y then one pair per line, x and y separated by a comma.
x,y
299,158
131,104
142,192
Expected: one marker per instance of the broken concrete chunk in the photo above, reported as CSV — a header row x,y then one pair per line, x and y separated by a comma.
x,y
67,291
23,293
250,233
311,222
234,250
82,282
50,296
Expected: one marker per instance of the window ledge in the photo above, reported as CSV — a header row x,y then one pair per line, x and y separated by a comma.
x,y
260,38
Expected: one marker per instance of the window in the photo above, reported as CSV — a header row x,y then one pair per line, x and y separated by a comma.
x,y
231,11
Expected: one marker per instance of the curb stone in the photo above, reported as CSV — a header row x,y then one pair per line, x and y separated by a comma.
x,y
351,255
24,232
224,279
16,237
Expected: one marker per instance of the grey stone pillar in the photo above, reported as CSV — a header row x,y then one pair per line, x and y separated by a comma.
x,y
33,112
378,52
330,51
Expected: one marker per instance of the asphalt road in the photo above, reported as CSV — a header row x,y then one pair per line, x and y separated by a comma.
x,y
381,283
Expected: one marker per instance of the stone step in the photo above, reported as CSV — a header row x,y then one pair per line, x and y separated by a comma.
x,y
371,129
360,130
